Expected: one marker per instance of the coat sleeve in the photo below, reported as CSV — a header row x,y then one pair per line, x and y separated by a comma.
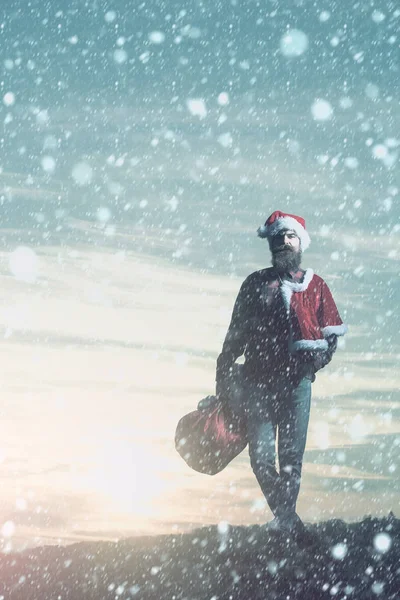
x,y
235,339
329,319
331,325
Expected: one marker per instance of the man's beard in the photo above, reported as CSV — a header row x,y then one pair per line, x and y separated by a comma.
x,y
286,258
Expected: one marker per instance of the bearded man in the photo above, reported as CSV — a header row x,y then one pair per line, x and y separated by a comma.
x,y
286,324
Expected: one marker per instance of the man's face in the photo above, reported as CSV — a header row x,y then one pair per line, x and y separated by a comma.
x,y
285,238
286,250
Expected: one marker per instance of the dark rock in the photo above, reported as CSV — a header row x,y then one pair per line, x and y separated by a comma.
x,y
357,561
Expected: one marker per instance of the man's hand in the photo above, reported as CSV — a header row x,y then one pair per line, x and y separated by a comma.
x,y
321,359
332,343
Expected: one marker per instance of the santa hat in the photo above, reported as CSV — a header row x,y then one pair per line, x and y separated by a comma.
x,y
279,221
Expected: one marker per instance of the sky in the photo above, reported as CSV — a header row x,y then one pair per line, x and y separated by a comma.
x,y
143,144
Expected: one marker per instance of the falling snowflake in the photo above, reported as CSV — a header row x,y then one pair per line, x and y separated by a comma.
x,y
9,99
197,107
322,110
294,43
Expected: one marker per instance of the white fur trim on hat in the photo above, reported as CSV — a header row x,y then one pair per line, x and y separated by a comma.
x,y
268,231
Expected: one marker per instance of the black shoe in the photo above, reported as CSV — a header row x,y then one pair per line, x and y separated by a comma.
x,y
285,523
303,537
292,526
275,526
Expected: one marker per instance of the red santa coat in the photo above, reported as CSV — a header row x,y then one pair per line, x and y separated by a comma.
x,y
313,315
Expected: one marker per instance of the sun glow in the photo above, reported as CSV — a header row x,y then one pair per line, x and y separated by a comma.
x,y
129,474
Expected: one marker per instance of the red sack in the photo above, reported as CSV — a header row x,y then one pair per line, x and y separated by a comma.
x,y
209,439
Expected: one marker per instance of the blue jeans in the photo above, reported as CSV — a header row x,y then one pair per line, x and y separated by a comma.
x,y
282,410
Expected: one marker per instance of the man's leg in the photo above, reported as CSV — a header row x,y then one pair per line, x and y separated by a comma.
x,y
261,432
294,413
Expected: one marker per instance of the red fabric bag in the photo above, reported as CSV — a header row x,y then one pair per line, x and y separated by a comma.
x,y
210,438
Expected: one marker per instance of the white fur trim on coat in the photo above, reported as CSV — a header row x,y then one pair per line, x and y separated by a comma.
x,y
309,345
288,287
334,330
